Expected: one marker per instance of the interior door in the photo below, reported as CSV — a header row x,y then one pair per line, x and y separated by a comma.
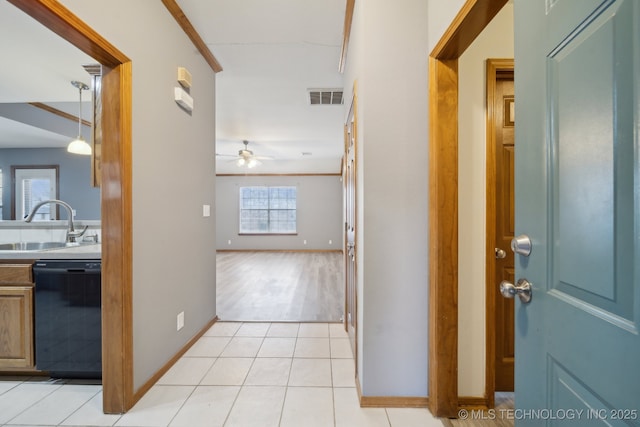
x,y
504,225
350,253
578,199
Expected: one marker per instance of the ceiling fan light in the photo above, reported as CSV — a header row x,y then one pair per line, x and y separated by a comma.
x,y
241,162
79,146
252,163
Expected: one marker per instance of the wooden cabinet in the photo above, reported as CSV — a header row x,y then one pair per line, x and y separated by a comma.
x,y
16,317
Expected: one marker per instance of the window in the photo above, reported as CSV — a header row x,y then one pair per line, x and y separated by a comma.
x,y
34,184
268,210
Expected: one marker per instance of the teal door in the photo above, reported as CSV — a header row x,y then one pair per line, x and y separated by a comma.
x,y
577,87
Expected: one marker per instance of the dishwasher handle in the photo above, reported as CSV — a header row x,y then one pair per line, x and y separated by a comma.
x,y
66,270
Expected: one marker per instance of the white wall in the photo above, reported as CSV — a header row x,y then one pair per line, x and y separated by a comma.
x,y
388,58
496,41
173,176
388,54
441,14
319,213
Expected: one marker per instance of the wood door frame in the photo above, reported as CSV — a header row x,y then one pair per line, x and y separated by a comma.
x,y
472,18
494,66
116,196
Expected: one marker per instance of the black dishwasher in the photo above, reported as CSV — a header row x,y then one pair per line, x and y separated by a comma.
x,y
68,336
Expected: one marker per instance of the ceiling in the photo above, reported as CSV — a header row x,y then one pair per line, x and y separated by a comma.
x,y
272,52
41,69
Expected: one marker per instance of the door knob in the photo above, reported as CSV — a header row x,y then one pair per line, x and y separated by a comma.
x,y
500,253
522,288
521,245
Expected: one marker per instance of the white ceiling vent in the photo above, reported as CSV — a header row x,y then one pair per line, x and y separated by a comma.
x,y
325,96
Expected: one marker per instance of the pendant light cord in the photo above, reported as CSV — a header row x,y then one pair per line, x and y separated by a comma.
x,y
80,113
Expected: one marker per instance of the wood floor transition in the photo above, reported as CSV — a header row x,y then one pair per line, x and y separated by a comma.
x,y
280,286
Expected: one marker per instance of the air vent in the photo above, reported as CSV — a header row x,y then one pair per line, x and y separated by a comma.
x,y
325,96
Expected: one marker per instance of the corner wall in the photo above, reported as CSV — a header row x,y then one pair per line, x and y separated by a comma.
x,y
388,57
319,213
173,177
440,15
363,42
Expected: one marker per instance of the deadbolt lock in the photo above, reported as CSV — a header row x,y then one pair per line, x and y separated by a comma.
x,y
521,245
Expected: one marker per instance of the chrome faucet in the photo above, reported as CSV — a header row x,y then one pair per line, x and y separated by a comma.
x,y
72,234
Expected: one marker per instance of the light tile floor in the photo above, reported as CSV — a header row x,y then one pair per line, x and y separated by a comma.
x,y
237,374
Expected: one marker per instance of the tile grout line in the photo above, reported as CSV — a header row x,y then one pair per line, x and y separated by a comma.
x,y
226,419
81,406
34,403
286,388
333,390
235,400
182,405
244,385
386,413
205,374
14,386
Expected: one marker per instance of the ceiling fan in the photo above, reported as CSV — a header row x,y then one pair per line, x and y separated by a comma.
x,y
245,157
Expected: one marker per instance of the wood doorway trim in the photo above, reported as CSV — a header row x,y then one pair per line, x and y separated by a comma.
x,y
117,278
494,67
473,17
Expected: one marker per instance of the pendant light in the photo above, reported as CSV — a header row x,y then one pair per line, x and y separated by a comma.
x,y
79,145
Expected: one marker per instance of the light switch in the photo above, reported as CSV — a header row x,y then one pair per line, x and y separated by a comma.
x,y
180,321
206,210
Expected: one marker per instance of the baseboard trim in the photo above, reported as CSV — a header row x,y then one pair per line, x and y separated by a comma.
x,y
470,402
279,250
390,401
163,370
393,402
464,402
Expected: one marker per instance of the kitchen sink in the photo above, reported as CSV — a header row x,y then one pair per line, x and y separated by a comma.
x,y
33,246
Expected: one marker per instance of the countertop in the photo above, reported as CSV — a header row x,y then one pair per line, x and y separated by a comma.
x,y
83,251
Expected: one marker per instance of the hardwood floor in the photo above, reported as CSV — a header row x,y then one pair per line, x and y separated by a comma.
x,y
501,416
280,286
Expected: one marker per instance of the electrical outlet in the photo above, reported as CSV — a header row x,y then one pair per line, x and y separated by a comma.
x,y
331,242
180,320
206,210
229,242
304,242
